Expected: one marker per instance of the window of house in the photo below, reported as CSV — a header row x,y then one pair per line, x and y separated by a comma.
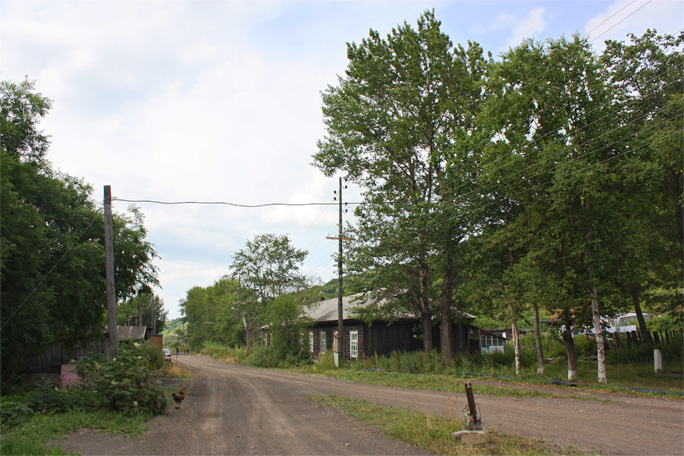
x,y
353,344
492,342
311,341
324,343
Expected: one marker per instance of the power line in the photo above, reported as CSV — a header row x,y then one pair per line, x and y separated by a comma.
x,y
609,18
621,21
223,203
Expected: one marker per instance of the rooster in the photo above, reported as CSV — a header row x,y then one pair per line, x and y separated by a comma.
x,y
178,397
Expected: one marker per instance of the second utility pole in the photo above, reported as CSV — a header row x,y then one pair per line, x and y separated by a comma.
x,y
339,353
340,325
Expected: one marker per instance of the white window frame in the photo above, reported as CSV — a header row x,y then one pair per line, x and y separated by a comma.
x,y
353,344
324,342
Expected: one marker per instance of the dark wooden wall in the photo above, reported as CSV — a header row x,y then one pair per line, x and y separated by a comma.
x,y
383,339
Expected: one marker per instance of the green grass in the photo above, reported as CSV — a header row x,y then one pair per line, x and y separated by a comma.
x,y
434,433
435,382
30,437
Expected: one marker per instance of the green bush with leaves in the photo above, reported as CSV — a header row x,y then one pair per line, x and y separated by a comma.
x,y
124,383
43,397
153,355
274,357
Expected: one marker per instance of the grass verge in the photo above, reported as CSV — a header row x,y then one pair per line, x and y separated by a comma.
x,y
176,371
31,437
434,433
446,383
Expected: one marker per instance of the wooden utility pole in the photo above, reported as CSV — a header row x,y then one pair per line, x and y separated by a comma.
x,y
112,342
340,324
153,321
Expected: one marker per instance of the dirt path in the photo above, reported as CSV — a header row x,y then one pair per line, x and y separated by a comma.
x,y
232,409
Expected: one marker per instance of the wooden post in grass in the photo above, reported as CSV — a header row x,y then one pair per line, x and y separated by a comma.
x,y
113,348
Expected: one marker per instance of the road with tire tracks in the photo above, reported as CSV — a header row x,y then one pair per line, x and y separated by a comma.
x,y
234,409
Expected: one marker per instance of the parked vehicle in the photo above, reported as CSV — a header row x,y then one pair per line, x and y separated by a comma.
x,y
167,354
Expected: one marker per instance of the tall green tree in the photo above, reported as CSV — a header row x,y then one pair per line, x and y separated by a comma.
x,y
555,162
52,272
20,113
400,124
646,73
268,266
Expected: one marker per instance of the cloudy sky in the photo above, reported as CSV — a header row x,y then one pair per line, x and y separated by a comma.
x,y
220,101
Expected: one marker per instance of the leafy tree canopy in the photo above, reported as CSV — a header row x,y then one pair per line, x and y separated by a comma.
x,y
52,242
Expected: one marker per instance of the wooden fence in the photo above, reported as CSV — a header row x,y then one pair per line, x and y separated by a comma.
x,y
57,355
658,337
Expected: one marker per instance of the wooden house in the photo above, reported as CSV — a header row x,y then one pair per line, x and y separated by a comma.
x,y
380,337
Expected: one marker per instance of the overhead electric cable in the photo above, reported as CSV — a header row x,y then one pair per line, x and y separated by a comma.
x,y
221,203
609,18
621,21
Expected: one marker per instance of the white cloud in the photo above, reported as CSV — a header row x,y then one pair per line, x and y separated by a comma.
x,y
530,27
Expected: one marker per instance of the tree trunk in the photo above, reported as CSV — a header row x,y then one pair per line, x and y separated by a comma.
x,y
570,351
642,323
447,333
600,344
425,311
598,331
538,341
426,323
248,333
516,339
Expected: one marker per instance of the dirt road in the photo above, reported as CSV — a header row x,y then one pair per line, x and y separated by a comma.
x,y
232,409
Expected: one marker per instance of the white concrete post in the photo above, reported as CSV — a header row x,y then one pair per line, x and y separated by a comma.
x,y
657,361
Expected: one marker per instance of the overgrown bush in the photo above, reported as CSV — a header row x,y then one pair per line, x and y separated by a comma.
x,y
665,323
584,346
152,354
124,383
14,410
260,356
326,361
672,354
42,397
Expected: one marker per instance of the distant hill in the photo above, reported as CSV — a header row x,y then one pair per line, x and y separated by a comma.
x,y
170,326
172,333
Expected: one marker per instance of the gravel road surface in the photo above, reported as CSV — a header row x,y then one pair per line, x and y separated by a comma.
x,y
233,409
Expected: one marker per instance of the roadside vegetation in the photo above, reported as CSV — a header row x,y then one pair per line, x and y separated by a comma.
x,y
434,433
115,395
631,368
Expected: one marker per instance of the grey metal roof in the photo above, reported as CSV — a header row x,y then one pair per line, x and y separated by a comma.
x,y
327,310
130,332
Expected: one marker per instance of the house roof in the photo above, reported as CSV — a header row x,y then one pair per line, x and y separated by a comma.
x,y
326,311
130,332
